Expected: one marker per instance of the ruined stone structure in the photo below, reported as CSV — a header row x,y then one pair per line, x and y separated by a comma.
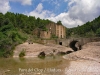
x,y
60,31
54,30
45,34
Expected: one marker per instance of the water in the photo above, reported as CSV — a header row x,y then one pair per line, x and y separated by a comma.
x,y
33,66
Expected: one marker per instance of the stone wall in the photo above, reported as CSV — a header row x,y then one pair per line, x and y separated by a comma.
x,y
66,42
82,41
52,30
60,31
45,34
49,41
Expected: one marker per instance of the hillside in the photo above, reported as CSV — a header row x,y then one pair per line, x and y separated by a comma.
x,y
18,28
89,29
15,29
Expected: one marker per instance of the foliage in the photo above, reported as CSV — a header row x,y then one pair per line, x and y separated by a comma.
x,y
89,29
98,32
9,38
15,28
59,23
22,53
53,36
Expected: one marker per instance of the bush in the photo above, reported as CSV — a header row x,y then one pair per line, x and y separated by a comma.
x,y
54,36
22,53
98,32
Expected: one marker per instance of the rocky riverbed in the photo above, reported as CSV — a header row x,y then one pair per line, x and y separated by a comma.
x,y
33,50
83,62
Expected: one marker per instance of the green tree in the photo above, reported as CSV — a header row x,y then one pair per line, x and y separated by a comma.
x,y
88,29
1,19
59,22
98,32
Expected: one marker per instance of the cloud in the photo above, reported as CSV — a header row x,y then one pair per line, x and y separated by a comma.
x,y
26,2
39,8
66,20
79,12
23,2
39,12
4,6
55,3
84,10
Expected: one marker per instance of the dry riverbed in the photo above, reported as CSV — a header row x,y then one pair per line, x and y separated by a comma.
x,y
33,50
83,62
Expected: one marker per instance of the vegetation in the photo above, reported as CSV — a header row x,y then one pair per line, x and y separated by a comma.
x,y
90,29
59,23
16,29
98,32
22,53
54,36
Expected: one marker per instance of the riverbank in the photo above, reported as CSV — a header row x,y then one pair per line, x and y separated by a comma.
x,y
90,51
33,50
85,61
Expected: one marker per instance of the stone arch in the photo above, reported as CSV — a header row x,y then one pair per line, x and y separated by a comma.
x,y
72,45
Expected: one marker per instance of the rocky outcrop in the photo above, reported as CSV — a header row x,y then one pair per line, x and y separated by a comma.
x,y
35,49
90,51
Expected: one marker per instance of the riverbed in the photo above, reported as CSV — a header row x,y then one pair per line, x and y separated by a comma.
x,y
83,62
48,66
34,66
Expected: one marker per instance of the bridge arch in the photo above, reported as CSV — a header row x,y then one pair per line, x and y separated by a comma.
x,y
73,43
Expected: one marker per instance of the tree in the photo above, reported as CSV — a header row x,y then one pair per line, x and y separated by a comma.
x,y
98,32
6,21
89,29
59,23
1,19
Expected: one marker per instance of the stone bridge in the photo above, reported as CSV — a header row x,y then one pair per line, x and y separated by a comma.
x,y
72,42
76,43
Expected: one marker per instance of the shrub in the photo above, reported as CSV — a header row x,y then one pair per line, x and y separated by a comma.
x,y
98,32
54,36
22,53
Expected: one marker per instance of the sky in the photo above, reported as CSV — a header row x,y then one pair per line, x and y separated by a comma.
x,y
70,12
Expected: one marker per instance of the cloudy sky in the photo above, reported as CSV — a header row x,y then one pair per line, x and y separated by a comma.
x,y
70,12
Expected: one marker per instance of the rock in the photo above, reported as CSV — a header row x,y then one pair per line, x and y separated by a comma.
x,y
38,73
54,50
61,53
42,55
7,71
68,52
80,47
